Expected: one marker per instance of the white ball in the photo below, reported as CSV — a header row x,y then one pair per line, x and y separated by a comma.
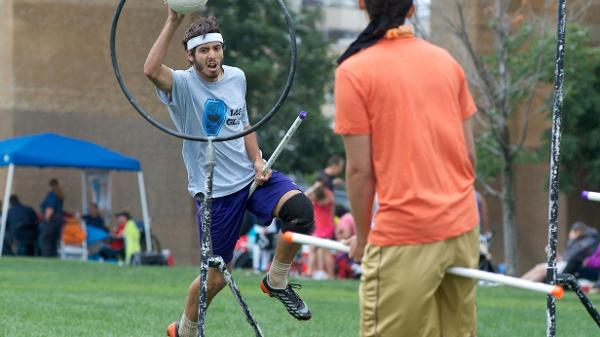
x,y
187,6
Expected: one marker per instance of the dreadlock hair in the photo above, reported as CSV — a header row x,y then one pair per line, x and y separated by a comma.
x,y
202,26
384,14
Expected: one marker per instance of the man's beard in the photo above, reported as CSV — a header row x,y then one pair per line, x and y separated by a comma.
x,y
200,67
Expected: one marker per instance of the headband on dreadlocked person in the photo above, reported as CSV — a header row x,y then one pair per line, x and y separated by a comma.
x,y
374,31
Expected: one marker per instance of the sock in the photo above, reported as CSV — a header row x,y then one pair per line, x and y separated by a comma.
x,y
277,276
187,328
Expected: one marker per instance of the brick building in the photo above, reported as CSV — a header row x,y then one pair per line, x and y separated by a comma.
x,y
57,76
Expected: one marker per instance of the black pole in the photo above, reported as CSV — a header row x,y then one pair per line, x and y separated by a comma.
x,y
219,263
571,282
559,75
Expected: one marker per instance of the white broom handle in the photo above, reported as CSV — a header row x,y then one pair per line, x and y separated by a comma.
x,y
592,196
301,117
553,290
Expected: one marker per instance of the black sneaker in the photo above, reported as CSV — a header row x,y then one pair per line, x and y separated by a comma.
x,y
291,301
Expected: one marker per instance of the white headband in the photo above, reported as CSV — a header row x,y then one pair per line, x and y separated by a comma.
x,y
204,39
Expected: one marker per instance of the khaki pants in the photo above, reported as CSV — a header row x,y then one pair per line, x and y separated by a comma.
x,y
405,291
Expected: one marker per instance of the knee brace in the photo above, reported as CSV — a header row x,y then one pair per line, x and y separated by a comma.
x,y
297,215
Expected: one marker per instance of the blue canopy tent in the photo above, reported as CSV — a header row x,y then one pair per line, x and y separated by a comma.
x,y
54,150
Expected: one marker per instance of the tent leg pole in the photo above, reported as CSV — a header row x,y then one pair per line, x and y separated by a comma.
x,y
145,213
84,199
7,190
109,193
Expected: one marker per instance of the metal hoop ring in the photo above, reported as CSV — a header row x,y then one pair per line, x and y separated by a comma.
x,y
151,120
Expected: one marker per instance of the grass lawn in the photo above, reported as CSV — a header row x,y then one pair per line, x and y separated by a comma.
x,y
51,298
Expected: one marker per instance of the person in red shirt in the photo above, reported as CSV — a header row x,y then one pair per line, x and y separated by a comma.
x,y
322,264
115,247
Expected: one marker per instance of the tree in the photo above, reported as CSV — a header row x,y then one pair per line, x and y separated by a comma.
x,y
580,146
505,76
257,42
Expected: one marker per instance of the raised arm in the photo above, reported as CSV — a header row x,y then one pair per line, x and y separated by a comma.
x,y
154,68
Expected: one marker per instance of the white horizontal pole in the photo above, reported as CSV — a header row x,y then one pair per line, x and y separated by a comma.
x,y
315,241
591,196
553,290
549,289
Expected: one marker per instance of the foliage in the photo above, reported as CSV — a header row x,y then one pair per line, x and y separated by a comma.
x,y
530,60
580,143
489,165
257,41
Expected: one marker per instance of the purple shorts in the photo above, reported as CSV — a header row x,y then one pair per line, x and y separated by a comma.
x,y
228,212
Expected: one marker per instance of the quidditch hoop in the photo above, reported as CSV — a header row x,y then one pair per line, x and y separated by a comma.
x,y
170,131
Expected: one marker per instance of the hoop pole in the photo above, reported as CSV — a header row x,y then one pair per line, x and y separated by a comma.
x,y
219,263
570,282
206,244
557,106
552,290
286,139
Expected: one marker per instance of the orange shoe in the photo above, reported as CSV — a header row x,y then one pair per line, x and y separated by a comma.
x,y
173,329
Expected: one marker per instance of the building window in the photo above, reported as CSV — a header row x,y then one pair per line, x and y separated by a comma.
x,y
422,19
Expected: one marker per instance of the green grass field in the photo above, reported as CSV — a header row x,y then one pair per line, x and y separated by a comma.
x,y
51,298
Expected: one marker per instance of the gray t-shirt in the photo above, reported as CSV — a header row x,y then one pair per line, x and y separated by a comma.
x,y
202,108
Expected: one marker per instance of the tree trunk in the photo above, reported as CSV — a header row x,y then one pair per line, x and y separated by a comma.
x,y
509,225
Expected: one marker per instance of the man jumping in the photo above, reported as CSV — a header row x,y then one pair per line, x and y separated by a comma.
x,y
208,99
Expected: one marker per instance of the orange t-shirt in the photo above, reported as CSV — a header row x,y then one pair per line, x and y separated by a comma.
x,y
411,97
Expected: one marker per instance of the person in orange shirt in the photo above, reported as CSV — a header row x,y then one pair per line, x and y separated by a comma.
x,y
403,108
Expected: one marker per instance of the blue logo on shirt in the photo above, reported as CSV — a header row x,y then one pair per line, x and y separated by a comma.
x,y
214,116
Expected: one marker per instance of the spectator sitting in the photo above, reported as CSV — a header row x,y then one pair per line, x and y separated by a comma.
x,y
132,237
124,240
582,242
72,231
593,262
94,218
23,223
114,249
